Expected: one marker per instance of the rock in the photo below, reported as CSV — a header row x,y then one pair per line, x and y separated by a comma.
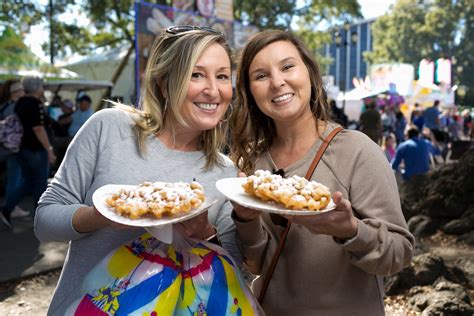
x,y
448,308
467,267
422,225
458,226
445,298
445,196
468,238
457,275
456,291
427,268
400,282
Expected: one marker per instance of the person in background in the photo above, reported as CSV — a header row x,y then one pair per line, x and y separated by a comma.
x,y
11,91
416,110
36,153
435,148
65,119
388,145
417,119
371,123
61,134
400,126
338,115
431,117
176,137
331,263
388,118
83,112
414,153
466,123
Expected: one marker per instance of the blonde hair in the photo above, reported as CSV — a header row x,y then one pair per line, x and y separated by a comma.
x,y
165,86
252,130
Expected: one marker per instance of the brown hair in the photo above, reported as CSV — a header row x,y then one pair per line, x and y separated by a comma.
x,y
165,85
252,130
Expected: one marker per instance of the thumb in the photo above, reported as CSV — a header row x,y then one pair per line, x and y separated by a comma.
x,y
337,198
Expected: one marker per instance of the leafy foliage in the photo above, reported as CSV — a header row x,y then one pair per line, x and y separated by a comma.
x,y
111,23
309,17
324,12
13,51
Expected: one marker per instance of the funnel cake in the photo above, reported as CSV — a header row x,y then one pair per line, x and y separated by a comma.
x,y
157,199
295,193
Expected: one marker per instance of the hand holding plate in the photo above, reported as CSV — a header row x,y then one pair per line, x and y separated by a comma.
x,y
340,223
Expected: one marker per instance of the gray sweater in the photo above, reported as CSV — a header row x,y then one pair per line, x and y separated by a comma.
x,y
104,152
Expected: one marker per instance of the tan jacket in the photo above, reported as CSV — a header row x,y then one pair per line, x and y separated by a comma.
x,y
316,275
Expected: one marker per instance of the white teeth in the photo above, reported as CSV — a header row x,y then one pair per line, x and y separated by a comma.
x,y
283,97
207,106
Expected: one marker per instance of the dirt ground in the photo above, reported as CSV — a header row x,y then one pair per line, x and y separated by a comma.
x,y
32,296
29,296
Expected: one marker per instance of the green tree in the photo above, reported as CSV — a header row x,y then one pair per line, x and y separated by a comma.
x,y
63,39
330,13
280,14
266,14
13,52
307,18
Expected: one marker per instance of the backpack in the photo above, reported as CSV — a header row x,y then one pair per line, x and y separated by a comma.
x,y
11,129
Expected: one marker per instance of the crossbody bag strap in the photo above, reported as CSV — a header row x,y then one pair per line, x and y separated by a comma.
x,y
308,176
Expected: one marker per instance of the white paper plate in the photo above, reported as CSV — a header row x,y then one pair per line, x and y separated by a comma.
x,y
102,193
233,190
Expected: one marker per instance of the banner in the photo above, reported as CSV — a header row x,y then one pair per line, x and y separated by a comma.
x,y
151,19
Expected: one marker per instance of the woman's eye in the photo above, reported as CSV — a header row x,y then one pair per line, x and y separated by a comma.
x,y
223,77
197,75
260,76
288,66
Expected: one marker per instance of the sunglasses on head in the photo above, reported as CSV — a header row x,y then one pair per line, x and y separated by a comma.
x,y
187,28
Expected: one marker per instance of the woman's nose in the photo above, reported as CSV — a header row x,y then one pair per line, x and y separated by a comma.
x,y
277,81
211,88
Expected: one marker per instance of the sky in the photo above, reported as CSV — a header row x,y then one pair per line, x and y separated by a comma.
x,y
374,8
39,34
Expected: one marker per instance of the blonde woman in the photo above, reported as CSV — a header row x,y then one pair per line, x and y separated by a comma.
x,y
176,136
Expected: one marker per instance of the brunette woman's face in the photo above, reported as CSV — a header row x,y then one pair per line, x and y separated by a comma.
x,y
209,91
280,83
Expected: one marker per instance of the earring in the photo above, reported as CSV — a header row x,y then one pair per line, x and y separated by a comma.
x,y
229,114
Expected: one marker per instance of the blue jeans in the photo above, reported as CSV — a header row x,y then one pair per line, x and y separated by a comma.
x,y
34,170
13,178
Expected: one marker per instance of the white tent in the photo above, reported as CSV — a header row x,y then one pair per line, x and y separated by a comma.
x,y
352,101
103,66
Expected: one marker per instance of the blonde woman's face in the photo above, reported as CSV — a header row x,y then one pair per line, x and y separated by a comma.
x,y
209,91
280,83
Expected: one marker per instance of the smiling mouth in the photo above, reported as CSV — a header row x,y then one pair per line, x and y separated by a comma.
x,y
206,106
283,98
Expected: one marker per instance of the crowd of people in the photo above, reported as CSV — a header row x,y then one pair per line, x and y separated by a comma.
x,y
43,141
414,146
280,120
